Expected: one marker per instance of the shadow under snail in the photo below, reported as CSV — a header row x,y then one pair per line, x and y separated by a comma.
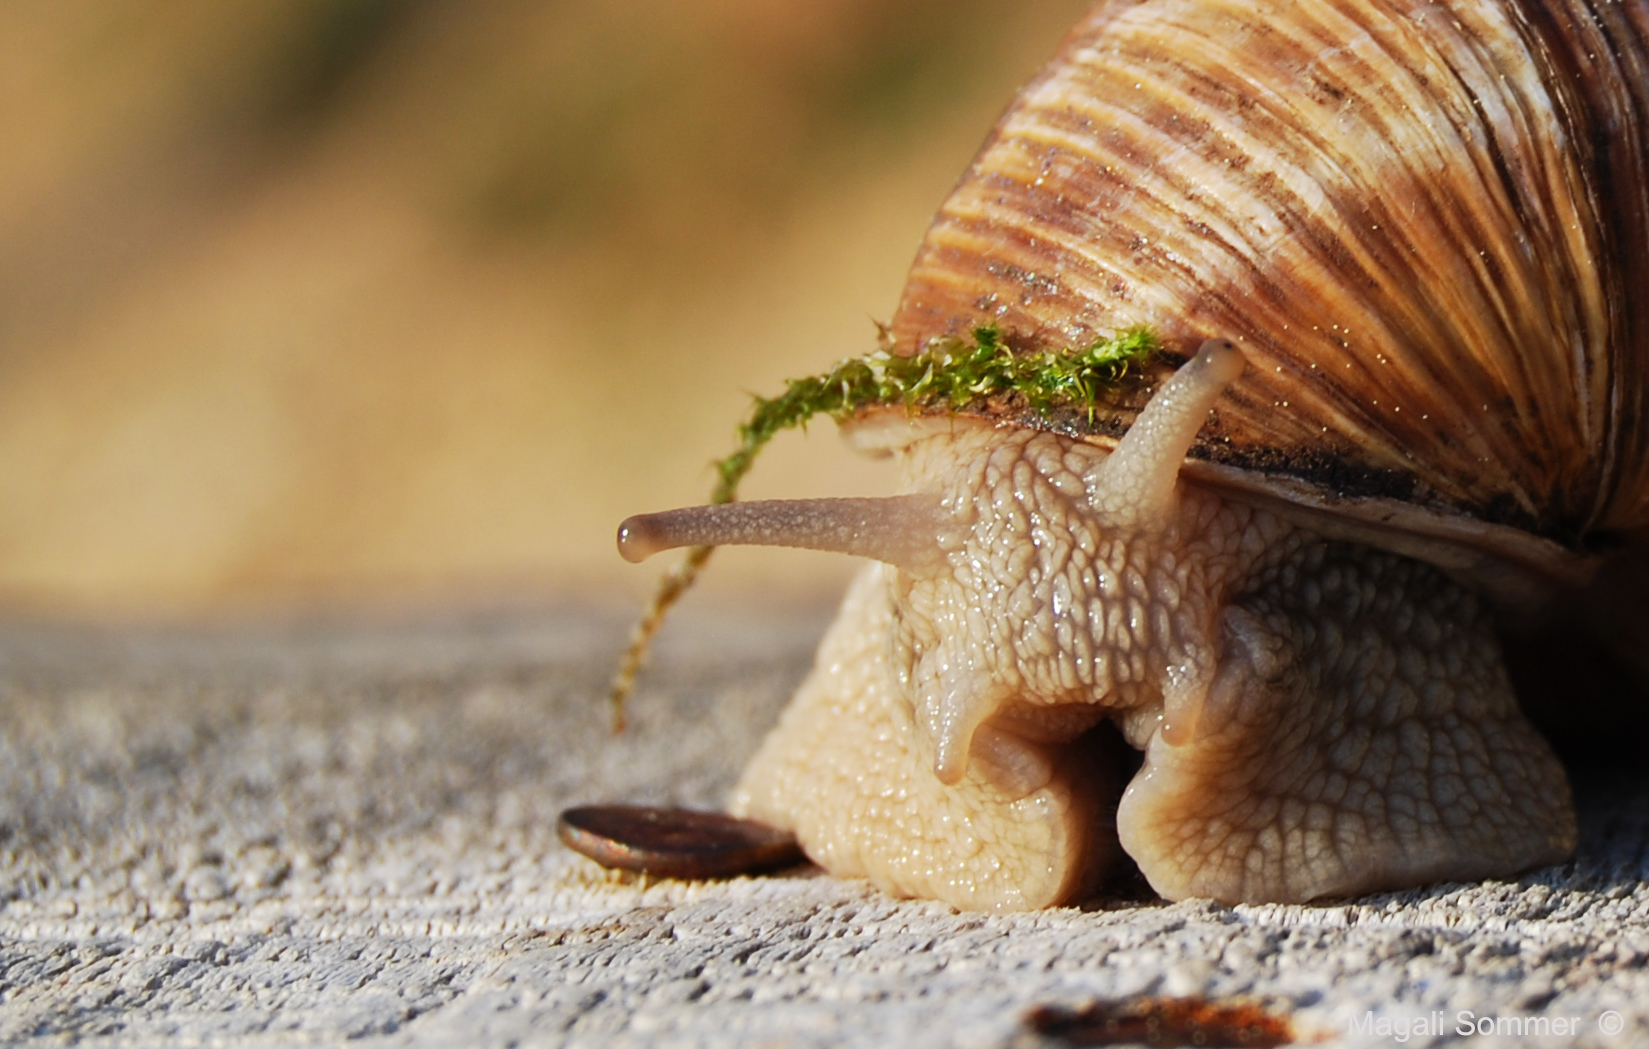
x,y
1400,253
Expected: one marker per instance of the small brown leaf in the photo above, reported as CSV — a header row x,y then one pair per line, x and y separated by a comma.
x,y
676,843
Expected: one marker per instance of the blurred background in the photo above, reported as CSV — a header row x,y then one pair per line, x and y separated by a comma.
x,y
360,303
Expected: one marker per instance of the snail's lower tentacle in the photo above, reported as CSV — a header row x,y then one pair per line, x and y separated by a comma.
x,y
952,705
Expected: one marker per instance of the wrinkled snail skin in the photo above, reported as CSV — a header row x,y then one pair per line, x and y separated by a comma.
x,y
1420,234
1318,718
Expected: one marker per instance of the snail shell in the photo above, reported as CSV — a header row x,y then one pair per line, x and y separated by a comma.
x,y
1427,226
1415,237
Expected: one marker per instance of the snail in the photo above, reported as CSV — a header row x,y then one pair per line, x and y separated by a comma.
x,y
1399,253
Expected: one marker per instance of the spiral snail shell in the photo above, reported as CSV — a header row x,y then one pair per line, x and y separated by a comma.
x,y
1411,240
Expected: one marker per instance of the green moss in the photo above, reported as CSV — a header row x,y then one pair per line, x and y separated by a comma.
x,y
949,373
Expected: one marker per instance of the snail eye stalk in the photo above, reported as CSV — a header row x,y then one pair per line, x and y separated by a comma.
x,y
900,530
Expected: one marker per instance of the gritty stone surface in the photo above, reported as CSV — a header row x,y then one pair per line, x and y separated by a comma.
x,y
267,837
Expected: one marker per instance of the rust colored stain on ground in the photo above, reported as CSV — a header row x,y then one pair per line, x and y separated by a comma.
x,y
1162,1022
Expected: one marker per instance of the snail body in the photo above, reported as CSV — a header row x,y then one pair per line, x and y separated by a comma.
x,y
1406,238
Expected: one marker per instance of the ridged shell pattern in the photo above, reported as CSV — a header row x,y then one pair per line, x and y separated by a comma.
x,y
1427,224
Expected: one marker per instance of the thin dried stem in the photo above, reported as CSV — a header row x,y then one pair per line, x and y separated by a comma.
x,y
670,588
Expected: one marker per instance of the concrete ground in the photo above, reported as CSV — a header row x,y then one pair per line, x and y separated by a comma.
x,y
275,836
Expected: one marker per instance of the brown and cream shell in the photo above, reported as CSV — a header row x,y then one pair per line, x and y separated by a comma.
x,y
1426,225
